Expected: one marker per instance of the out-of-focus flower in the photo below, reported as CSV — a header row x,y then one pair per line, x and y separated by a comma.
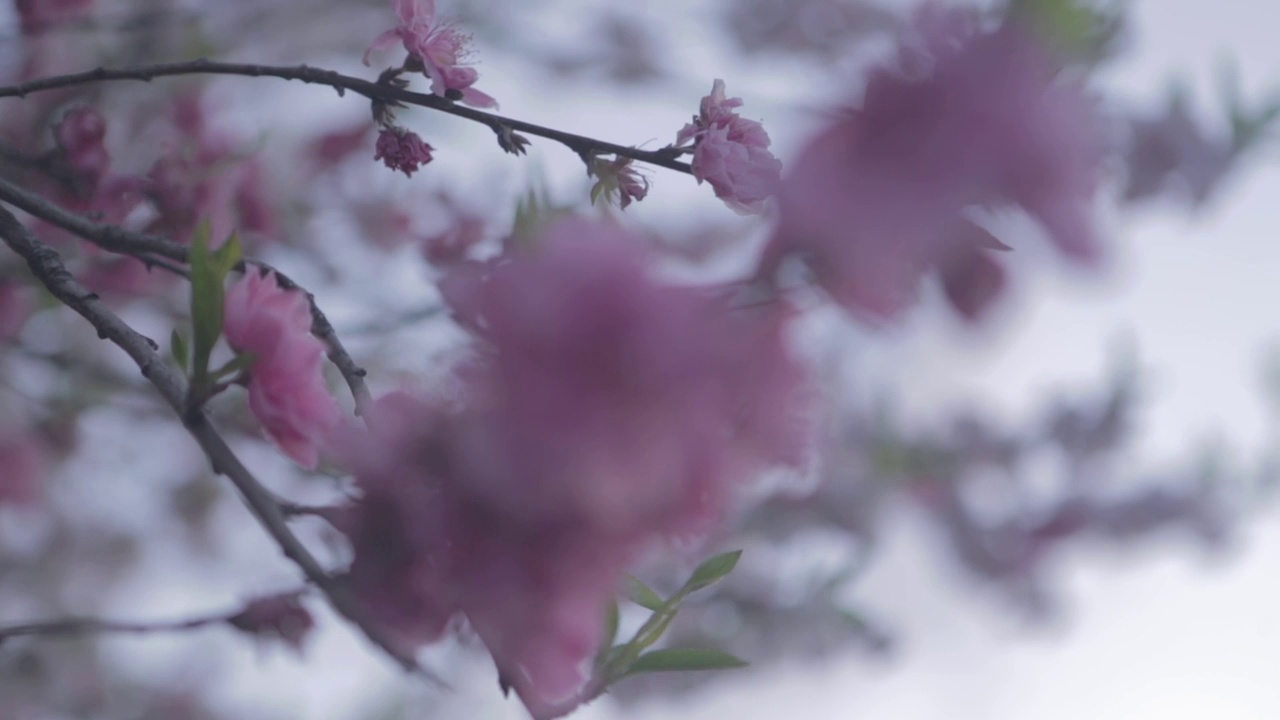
x,y
452,244
441,48
604,411
80,135
287,392
334,147
38,15
278,616
1173,153
731,152
402,150
968,119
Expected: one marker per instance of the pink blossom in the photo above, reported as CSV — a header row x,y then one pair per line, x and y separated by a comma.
x,y
731,153
454,243
968,120
287,392
80,135
203,178
441,48
402,150
604,411
39,15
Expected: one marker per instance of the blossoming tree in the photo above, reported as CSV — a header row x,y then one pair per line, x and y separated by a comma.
x,y
599,417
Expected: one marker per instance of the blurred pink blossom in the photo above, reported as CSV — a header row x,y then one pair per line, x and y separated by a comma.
x,y
604,411
287,392
39,15
454,243
278,616
969,119
731,153
402,150
441,48
80,135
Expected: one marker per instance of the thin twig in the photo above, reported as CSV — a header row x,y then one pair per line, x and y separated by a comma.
x,y
580,144
87,626
152,248
47,266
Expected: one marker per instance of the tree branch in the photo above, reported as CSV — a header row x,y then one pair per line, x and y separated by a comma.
x,y
582,145
87,626
154,249
47,266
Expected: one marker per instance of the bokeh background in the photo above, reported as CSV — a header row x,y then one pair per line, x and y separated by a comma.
x,y
1166,361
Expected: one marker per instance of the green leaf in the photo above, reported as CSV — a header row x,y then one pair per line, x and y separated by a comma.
x,y
643,595
711,571
206,303
685,659
178,349
611,622
226,257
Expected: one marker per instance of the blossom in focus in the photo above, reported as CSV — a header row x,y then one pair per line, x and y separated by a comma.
x,y
402,150
731,153
604,411
619,177
287,392
441,48
969,119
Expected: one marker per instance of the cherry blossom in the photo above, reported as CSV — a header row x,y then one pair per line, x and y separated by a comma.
x,y
968,119
287,392
441,48
402,150
731,153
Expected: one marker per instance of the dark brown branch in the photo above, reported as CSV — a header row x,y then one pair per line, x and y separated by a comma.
x,y
503,126
154,249
47,266
88,626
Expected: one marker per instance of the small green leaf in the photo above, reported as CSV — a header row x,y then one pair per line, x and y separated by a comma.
x,y
206,303
643,595
710,571
685,659
611,622
226,257
178,349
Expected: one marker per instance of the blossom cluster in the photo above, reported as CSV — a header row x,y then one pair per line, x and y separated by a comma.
x,y
603,412
731,152
968,119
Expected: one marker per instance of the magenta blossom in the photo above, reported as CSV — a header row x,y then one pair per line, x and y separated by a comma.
x,y
969,120
402,150
605,411
442,49
287,392
80,135
731,153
